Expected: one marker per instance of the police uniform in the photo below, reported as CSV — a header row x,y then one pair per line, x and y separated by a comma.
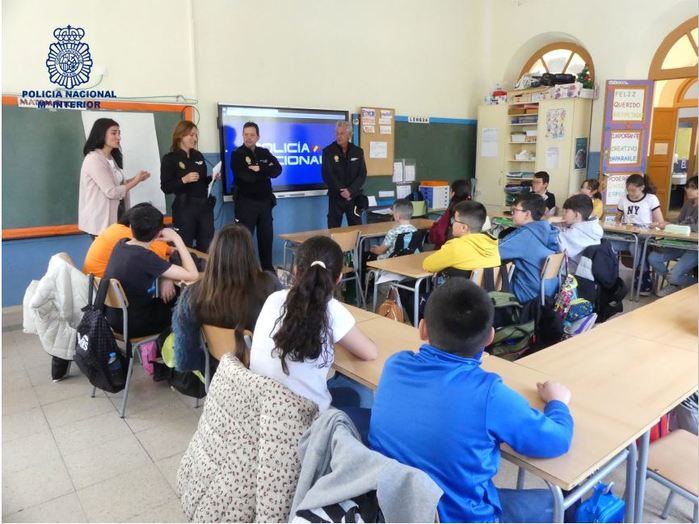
x,y
253,195
192,213
343,171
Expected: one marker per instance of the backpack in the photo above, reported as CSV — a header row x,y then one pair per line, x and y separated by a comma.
x,y
392,307
96,351
598,280
514,327
602,506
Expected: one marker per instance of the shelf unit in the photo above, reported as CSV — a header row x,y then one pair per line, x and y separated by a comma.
x,y
528,111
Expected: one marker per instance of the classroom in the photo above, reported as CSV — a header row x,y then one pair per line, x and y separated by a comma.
x,y
378,261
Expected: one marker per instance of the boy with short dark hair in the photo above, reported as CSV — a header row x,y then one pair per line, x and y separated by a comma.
x,y
540,184
528,246
438,411
470,248
580,229
402,213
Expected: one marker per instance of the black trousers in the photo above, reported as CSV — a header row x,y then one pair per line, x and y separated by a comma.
x,y
145,320
194,219
337,206
257,215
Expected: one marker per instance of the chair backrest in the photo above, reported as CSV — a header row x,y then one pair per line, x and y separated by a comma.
x,y
419,208
417,242
347,240
552,266
116,297
220,341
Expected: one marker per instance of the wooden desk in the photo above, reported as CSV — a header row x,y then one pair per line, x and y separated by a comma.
x,y
598,439
655,238
408,266
361,315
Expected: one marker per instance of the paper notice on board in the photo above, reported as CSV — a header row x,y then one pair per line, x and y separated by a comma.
x,y
615,189
403,191
410,173
385,130
385,120
368,116
378,149
552,154
489,142
368,129
398,172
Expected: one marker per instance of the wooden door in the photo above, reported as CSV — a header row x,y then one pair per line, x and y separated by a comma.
x,y
692,160
661,150
490,154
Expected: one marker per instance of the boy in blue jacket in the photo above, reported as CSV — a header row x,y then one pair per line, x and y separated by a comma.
x,y
528,246
438,411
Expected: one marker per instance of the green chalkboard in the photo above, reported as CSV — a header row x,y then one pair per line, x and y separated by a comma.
x,y
441,151
42,155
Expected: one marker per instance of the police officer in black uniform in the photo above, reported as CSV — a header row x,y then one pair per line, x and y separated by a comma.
x,y
344,172
183,172
253,168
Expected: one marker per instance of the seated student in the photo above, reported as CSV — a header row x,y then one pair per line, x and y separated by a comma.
x,y
402,213
579,230
460,190
137,267
439,411
682,273
469,249
528,246
230,294
639,207
540,184
298,328
590,187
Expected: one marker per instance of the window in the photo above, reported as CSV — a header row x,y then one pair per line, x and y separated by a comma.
x,y
676,56
561,57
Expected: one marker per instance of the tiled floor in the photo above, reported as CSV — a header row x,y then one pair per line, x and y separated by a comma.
x,y
70,458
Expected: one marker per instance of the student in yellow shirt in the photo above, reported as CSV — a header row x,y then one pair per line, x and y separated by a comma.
x,y
590,187
470,248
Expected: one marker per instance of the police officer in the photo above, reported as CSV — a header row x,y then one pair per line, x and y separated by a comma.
x,y
344,172
183,172
253,168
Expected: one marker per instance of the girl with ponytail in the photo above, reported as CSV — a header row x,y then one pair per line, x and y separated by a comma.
x,y
298,327
640,206
590,187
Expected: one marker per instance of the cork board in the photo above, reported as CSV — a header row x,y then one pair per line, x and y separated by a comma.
x,y
377,136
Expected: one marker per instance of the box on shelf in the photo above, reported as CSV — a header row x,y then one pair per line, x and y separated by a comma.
x,y
436,193
519,138
531,133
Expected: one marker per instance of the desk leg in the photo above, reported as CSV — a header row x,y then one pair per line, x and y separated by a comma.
x,y
642,264
641,476
376,289
520,478
630,495
416,301
558,508
360,253
635,265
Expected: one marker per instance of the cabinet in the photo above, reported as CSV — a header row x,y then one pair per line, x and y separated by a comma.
x,y
531,134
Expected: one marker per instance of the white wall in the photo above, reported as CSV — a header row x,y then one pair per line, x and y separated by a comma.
x,y
620,35
145,45
335,54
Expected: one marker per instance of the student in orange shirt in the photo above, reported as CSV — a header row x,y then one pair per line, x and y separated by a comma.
x,y
98,255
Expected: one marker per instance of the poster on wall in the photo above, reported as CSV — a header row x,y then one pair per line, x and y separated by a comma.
x,y
489,142
625,147
616,188
555,124
580,153
627,105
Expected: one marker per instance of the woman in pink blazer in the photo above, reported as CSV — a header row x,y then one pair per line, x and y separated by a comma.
x,y
103,187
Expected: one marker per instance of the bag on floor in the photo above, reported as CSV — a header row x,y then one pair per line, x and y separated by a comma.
x,y
96,351
602,506
392,307
149,355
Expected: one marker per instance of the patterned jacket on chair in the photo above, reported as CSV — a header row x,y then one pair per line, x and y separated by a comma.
x,y
242,464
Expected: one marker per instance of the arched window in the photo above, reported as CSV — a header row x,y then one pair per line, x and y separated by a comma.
x,y
560,57
676,56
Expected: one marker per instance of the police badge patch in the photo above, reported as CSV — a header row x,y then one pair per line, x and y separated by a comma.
x,y
337,158
181,164
69,61
247,159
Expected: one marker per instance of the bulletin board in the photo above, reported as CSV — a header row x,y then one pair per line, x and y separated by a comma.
x,y
612,187
377,136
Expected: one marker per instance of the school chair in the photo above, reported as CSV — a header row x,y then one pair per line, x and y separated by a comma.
x,y
347,240
216,342
551,269
419,208
66,258
673,461
116,298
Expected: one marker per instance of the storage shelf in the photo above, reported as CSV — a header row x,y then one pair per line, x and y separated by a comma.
x,y
524,114
527,124
513,160
523,143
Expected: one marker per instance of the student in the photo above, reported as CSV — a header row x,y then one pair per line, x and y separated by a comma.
x,y
439,411
540,184
590,187
230,294
580,230
528,246
297,328
469,249
402,213
136,267
97,256
439,232
639,207
682,273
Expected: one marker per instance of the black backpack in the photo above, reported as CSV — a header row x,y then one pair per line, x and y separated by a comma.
x,y
96,351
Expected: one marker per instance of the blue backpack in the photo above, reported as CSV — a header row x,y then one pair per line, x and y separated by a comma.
x,y
602,506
